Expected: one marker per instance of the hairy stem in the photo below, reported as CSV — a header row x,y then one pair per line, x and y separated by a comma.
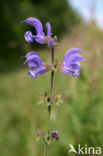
x,y
52,78
52,55
52,81
52,72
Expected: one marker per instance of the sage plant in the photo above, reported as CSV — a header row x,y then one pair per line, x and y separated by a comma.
x,y
70,65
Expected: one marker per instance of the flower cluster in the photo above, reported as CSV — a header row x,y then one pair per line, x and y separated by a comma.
x,y
71,62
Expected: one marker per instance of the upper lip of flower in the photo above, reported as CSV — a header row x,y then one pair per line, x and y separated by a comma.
x,y
33,60
35,23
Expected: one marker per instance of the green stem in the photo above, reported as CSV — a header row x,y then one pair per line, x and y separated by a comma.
x,y
49,110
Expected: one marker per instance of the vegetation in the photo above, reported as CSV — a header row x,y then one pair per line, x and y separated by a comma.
x,y
78,120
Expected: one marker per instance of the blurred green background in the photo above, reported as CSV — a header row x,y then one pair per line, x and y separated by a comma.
x,y
79,119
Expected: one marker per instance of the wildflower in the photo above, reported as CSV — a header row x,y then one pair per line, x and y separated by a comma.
x,y
47,137
35,64
54,134
71,62
40,37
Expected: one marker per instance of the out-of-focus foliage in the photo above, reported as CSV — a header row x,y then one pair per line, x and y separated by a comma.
x,y
58,12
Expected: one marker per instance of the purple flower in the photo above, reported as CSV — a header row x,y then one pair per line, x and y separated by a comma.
x,y
40,37
71,62
54,134
35,64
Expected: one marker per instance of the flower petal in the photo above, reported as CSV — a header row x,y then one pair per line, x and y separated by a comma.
x,y
31,53
73,58
66,70
41,70
72,51
40,38
76,73
34,73
48,29
50,42
76,65
33,61
35,23
28,36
